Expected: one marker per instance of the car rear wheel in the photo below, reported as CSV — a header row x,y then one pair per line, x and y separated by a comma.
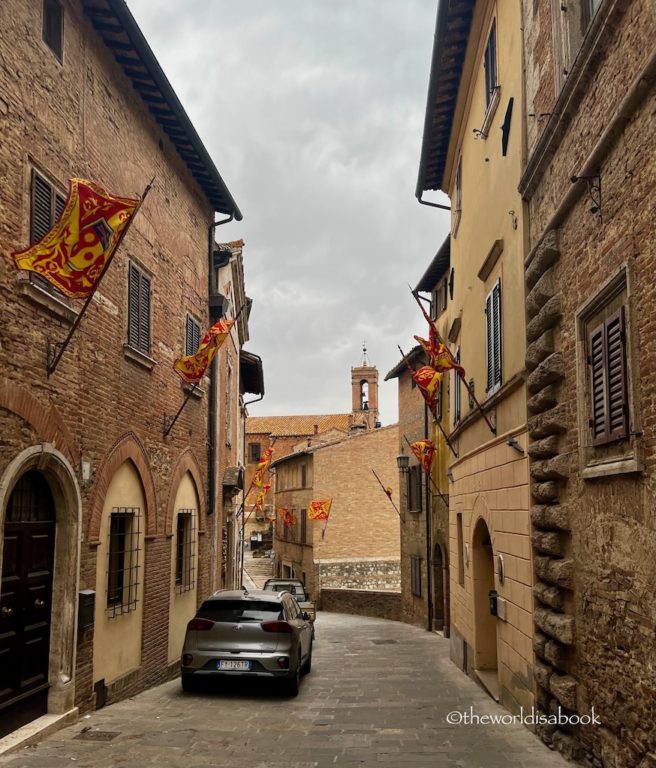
x,y
293,683
307,667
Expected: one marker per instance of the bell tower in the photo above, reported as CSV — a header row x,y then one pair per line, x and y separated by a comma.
x,y
364,394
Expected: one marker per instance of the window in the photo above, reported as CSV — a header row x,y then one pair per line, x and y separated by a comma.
x,y
123,560
254,453
456,392
304,530
609,417
192,336
457,208
47,205
185,551
493,337
415,575
138,309
490,64
461,552
53,27
440,298
303,475
414,488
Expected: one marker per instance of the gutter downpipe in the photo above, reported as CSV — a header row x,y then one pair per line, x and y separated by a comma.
x,y
212,410
433,205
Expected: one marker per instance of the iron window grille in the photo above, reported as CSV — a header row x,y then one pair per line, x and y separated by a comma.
x,y
138,309
192,336
123,569
185,551
53,27
415,575
493,338
46,206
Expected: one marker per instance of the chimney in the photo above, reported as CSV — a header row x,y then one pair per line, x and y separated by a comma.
x,y
316,429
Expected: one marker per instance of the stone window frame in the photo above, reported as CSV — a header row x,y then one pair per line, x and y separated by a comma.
x,y
570,23
621,456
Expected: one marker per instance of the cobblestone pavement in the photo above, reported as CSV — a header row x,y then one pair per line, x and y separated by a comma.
x,y
378,695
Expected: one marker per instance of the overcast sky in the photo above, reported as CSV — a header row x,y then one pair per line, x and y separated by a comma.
x,y
313,112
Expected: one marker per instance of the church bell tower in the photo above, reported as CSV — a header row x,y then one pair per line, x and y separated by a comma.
x,y
364,395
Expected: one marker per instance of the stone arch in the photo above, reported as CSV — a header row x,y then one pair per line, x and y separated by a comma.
x,y
44,419
60,476
127,448
187,462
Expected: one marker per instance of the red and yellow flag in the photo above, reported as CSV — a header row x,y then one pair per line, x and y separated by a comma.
x,y
319,510
259,499
191,368
424,450
428,383
73,254
439,355
262,466
288,517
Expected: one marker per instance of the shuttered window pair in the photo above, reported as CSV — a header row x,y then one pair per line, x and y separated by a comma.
x,y
192,337
139,310
609,418
493,337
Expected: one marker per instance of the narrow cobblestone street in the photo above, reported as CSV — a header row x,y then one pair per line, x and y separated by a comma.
x,y
378,695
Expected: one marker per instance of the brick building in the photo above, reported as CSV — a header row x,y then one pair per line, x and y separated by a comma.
x,y
93,498
360,547
588,182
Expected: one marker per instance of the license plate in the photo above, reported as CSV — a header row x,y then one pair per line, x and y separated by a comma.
x,y
230,664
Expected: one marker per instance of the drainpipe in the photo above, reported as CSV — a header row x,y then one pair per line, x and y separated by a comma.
x,y
212,458
433,205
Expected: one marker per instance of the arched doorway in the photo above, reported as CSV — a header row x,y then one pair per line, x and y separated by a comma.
x,y
28,555
440,590
485,624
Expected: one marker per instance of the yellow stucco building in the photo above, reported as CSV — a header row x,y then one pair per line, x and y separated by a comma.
x,y
472,150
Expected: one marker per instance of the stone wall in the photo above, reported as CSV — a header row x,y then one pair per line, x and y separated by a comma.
x,y
379,605
366,573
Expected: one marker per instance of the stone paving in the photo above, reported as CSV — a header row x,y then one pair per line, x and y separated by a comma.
x,y
378,695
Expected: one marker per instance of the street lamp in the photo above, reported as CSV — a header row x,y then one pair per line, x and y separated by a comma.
x,y
402,461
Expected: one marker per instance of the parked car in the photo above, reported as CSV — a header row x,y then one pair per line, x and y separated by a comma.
x,y
297,588
253,633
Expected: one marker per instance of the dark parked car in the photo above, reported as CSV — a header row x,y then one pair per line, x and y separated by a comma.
x,y
251,634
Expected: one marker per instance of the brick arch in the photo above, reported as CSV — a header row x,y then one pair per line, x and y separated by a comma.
x,y
45,419
186,463
128,447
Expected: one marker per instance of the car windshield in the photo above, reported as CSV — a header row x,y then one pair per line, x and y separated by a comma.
x,y
295,589
239,610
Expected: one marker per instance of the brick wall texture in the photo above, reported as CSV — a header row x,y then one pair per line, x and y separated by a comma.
x,y
594,538
84,118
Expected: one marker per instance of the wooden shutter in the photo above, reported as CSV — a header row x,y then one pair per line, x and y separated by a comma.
x,y
496,331
133,306
192,340
609,417
144,314
41,214
489,339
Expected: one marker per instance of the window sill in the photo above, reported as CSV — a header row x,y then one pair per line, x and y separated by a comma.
x,y
138,357
46,300
616,466
490,112
193,391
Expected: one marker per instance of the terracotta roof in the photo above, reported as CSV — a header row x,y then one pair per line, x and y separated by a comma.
x,y
289,426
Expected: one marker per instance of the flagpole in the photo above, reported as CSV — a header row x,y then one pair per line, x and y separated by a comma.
x,y
168,428
51,366
435,419
386,494
430,477
468,387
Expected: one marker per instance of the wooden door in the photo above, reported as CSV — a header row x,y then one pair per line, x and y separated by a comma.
x,y
25,602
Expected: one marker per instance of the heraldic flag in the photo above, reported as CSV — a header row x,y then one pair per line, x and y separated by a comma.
x,y
319,510
259,499
428,382
192,367
262,466
74,253
288,517
424,450
439,355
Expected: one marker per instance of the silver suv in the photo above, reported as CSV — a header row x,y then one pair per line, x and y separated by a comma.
x,y
252,634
